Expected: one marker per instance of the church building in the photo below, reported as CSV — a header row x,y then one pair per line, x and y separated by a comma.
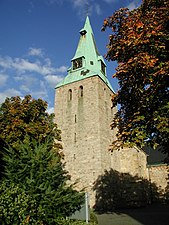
x,y
84,112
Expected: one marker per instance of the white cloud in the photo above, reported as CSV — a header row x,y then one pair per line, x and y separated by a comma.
x,y
2,97
133,5
62,69
12,92
5,62
26,82
9,93
35,52
3,79
29,75
98,9
25,88
81,6
86,7
50,110
79,3
38,90
53,80
23,65
47,61
42,91
18,78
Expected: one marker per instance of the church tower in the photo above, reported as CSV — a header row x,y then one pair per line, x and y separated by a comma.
x,y
83,112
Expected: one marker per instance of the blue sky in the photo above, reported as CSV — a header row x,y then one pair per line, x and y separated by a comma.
x,y
38,39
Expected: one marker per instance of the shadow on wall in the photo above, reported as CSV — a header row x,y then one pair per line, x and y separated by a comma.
x,y
115,190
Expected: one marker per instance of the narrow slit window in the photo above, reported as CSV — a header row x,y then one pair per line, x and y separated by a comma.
x,y
81,91
70,95
75,137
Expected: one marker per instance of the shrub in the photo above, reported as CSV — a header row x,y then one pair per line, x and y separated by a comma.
x,y
35,189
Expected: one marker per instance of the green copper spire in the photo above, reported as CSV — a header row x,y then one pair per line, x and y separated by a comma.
x,y
87,47
87,61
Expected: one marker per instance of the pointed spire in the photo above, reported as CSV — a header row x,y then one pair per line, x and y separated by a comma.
x,y
87,25
87,46
87,61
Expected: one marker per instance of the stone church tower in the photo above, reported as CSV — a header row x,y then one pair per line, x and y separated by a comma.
x,y
83,110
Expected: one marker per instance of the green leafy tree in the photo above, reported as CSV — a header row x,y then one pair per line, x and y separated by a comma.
x,y
14,204
139,43
23,118
20,117
35,188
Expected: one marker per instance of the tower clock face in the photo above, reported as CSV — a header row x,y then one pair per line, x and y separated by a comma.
x,y
77,63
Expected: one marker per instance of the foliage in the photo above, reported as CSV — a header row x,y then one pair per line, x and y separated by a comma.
x,y
62,221
24,120
139,44
93,217
14,204
35,189
27,116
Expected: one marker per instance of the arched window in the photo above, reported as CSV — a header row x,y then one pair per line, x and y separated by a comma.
x,y
81,91
70,95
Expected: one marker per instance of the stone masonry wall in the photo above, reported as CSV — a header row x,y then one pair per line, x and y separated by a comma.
x,y
130,160
85,125
158,175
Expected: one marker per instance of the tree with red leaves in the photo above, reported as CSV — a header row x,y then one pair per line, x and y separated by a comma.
x,y
139,43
